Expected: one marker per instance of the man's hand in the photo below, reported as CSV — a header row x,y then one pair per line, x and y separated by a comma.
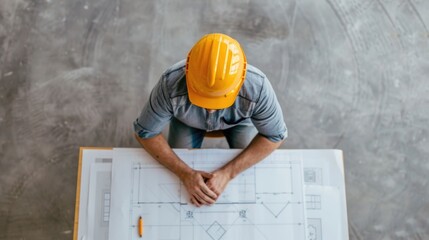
x,y
198,190
218,182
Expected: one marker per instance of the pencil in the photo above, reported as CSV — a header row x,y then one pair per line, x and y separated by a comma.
x,y
140,226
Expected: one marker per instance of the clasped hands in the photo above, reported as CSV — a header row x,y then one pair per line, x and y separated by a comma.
x,y
205,188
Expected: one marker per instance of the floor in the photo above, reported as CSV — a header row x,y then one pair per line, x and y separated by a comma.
x,y
350,74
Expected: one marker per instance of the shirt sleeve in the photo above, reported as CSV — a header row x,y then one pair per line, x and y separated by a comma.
x,y
268,116
156,113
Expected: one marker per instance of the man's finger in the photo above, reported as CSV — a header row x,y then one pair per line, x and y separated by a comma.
x,y
195,202
204,198
209,192
206,174
196,197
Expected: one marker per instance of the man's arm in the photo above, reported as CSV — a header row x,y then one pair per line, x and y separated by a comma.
x,y
193,180
268,119
258,149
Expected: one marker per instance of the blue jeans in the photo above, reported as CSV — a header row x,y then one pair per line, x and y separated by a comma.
x,y
181,135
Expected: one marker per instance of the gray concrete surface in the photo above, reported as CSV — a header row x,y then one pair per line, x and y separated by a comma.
x,y
350,74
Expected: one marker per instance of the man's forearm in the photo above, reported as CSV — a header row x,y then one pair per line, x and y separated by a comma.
x,y
258,149
159,149
193,180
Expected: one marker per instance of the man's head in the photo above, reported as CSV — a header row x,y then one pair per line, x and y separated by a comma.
x,y
215,71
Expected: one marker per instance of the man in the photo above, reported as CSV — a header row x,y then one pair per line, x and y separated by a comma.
x,y
214,89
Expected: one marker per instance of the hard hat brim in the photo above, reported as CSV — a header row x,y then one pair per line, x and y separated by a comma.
x,y
214,103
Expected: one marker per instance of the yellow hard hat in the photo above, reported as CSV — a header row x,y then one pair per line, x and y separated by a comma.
x,y
215,71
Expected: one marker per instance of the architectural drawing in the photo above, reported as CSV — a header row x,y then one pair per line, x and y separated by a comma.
x,y
313,176
114,196
99,199
313,202
94,208
264,202
314,228
325,195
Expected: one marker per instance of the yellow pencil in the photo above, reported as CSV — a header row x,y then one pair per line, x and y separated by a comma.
x,y
140,226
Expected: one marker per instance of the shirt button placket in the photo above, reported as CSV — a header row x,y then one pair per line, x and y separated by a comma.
x,y
210,121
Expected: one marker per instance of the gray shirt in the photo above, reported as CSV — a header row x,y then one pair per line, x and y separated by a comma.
x,y
255,104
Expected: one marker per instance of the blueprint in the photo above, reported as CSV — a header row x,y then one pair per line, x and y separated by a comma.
x,y
111,202
325,194
264,202
94,200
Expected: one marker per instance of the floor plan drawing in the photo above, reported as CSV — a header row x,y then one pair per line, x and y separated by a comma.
x,y
94,199
99,199
313,176
313,202
264,202
325,195
272,199
314,229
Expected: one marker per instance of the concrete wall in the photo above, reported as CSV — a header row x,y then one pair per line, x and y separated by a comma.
x,y
350,74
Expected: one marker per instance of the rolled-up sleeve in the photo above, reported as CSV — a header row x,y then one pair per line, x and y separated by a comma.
x,y
268,116
156,113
